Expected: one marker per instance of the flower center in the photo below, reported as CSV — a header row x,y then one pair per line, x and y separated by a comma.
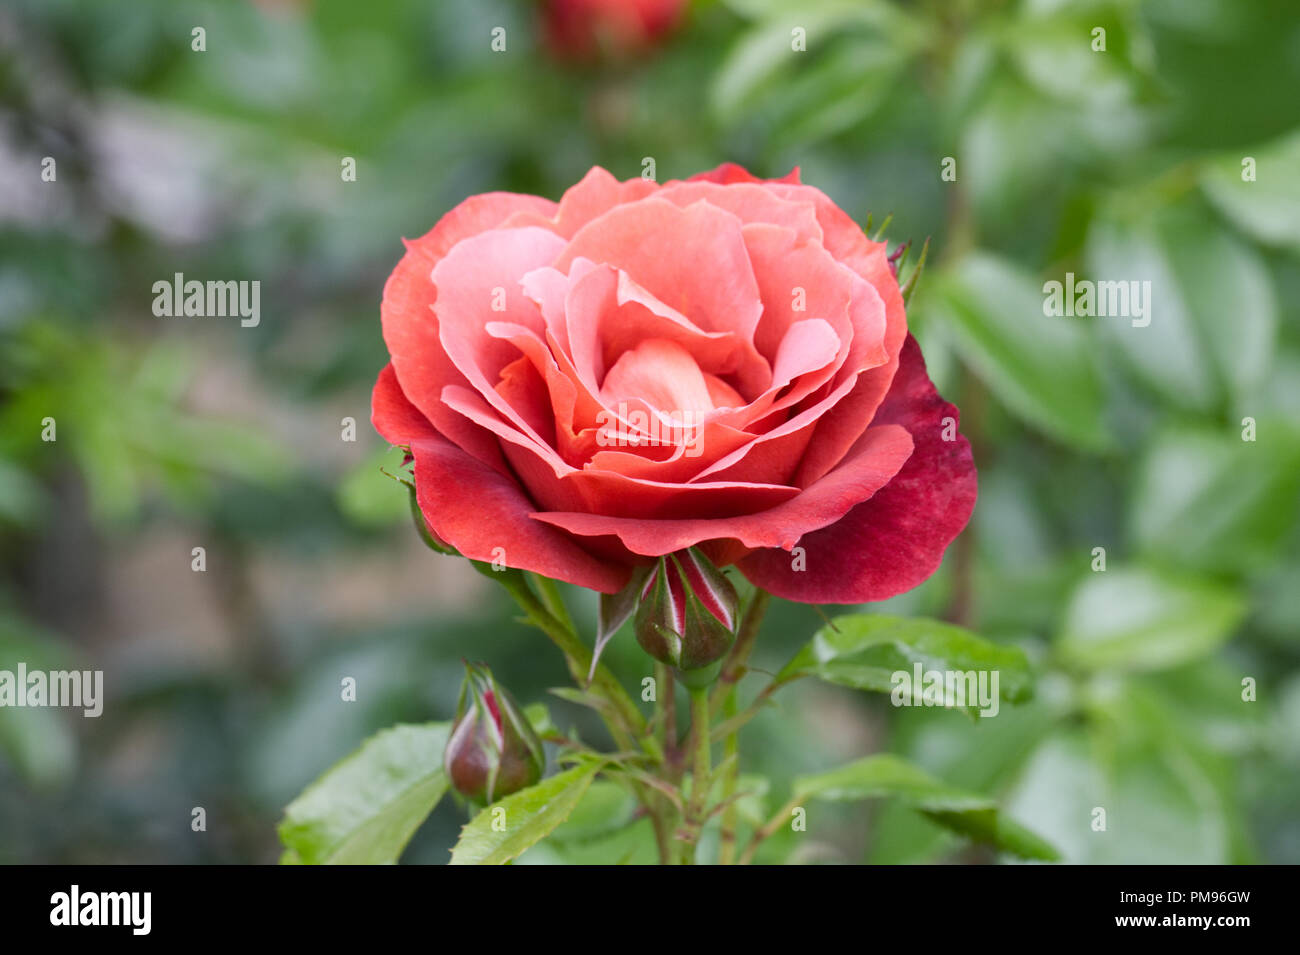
x,y
664,375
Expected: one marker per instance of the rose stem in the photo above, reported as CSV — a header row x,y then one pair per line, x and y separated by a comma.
x,y
778,819
733,724
734,667
666,728
724,698
700,781
553,602
731,750
565,636
579,659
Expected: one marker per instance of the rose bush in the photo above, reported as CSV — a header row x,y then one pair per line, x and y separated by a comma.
x,y
722,362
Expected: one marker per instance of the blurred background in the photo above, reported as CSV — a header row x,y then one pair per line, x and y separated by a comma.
x,y
222,686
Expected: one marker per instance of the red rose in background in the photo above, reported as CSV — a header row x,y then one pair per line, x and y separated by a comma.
x,y
581,29
636,369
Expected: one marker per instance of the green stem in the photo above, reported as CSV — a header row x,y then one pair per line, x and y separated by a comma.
x,y
734,667
655,804
553,602
779,818
625,722
661,810
667,701
735,721
730,815
700,781
628,721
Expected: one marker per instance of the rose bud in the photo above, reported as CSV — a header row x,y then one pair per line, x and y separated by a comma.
x,y
492,751
585,30
687,616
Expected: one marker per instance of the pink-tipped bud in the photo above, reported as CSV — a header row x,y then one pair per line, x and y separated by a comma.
x,y
687,614
492,751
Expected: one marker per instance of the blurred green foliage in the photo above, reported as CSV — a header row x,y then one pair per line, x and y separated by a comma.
x,y
1119,164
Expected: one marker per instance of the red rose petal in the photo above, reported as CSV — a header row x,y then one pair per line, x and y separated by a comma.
x,y
664,375
876,459
664,248
410,327
594,195
393,415
418,360
484,515
478,283
750,202
894,541
730,172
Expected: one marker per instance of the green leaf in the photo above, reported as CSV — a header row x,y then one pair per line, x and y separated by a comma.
x,y
751,806
37,742
971,814
539,718
1210,501
983,755
365,809
855,53
614,611
1057,794
844,87
1021,151
505,829
888,775
632,844
582,698
1165,355
1167,798
606,807
1220,275
1268,208
1040,366
864,651
1198,273
753,9
1053,51
1140,619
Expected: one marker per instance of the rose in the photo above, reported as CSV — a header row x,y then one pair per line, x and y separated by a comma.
x,y
754,314
581,29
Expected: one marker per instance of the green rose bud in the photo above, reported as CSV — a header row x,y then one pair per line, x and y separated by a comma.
x,y
687,616
492,751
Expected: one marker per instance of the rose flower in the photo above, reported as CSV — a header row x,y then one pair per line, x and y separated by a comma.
x,y
721,363
584,29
